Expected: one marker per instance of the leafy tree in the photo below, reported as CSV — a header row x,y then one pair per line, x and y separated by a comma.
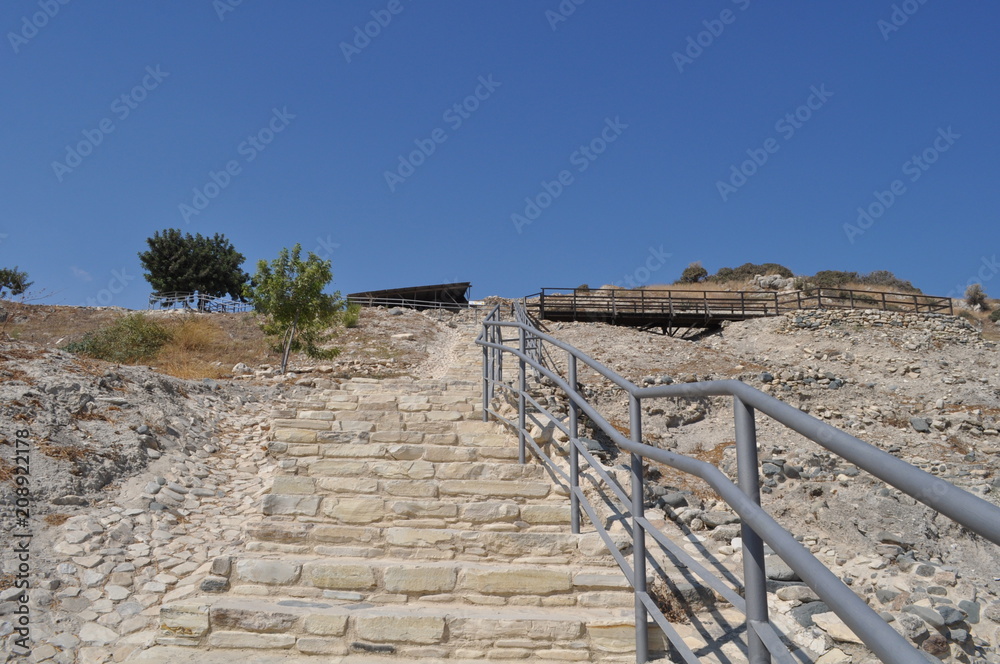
x,y
13,282
186,263
289,293
693,273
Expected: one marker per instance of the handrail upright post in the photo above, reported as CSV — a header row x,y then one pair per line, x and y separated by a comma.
x,y
754,574
521,389
486,379
574,453
638,536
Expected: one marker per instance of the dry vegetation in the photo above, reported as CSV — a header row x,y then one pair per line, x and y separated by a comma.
x,y
208,345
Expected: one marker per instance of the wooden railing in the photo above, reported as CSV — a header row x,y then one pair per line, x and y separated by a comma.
x,y
721,305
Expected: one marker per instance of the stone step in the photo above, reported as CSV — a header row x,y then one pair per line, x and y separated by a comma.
x,y
396,445
469,433
277,625
396,582
475,505
188,655
400,461
412,542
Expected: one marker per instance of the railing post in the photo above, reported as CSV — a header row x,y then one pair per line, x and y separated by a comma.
x,y
486,378
638,536
754,574
521,388
574,454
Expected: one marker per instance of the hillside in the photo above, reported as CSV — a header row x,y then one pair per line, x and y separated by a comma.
x,y
106,439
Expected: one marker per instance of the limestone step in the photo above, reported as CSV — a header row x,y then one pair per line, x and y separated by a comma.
x,y
411,542
474,433
420,505
400,633
383,466
188,655
396,582
396,446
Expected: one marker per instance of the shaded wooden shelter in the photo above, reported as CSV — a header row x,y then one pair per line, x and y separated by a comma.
x,y
435,296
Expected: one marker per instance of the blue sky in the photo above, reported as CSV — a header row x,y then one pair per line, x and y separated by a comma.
x,y
514,145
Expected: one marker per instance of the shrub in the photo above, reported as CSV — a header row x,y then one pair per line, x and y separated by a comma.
x,y
969,316
833,278
975,296
351,315
995,316
132,338
748,271
693,273
886,279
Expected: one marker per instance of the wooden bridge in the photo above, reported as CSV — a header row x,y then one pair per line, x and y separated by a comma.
x,y
675,309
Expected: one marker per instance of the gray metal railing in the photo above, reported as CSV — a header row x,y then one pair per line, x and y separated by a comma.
x,y
757,526
198,302
411,303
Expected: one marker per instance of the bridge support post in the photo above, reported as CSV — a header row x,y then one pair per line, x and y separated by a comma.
x,y
638,537
754,574
574,453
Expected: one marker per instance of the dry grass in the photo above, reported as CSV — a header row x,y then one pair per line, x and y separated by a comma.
x,y
56,519
6,470
63,452
207,345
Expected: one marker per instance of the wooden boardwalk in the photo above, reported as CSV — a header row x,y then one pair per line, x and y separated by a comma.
x,y
675,309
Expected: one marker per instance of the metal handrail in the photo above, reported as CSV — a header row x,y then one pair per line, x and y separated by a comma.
x,y
197,301
410,302
757,526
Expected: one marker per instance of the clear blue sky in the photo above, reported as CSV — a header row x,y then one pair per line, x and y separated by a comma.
x,y
114,114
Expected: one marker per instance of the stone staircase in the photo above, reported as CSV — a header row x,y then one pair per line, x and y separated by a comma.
x,y
400,527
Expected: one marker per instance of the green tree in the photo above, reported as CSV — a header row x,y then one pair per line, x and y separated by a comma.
x,y
288,292
13,282
186,263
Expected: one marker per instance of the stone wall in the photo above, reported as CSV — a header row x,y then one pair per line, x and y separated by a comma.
x,y
940,327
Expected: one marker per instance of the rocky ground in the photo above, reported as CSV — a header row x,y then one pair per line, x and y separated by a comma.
x,y
138,480
925,390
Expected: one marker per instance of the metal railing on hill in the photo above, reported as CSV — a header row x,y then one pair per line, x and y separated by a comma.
x,y
197,302
653,306
410,303
758,527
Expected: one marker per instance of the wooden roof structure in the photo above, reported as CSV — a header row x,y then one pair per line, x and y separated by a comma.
x,y
435,296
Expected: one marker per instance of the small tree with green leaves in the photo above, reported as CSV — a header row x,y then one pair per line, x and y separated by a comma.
x,y
288,293
13,282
